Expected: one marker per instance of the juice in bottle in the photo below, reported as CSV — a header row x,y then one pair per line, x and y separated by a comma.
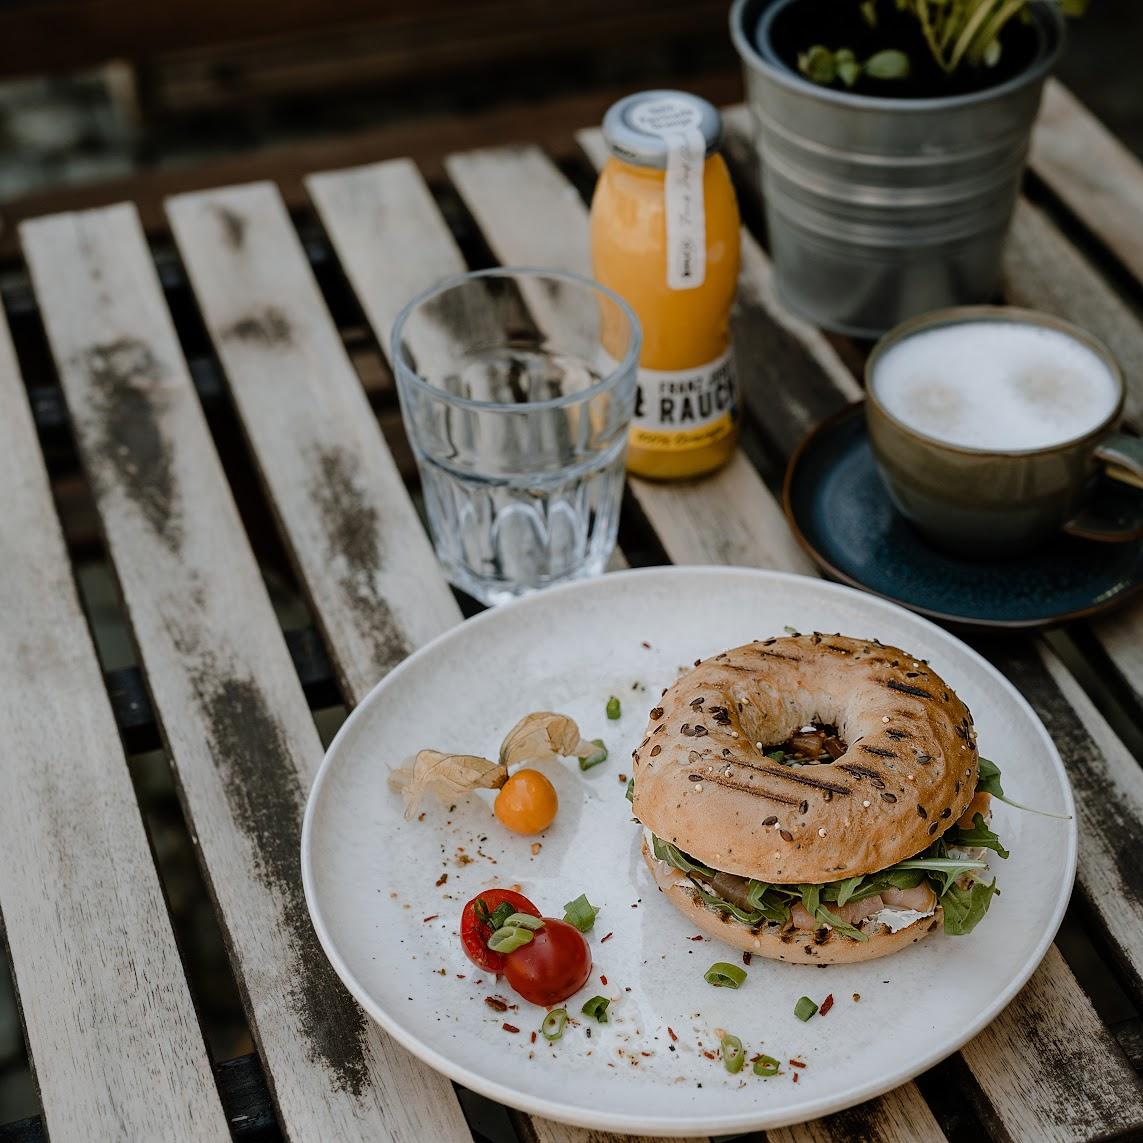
x,y
665,237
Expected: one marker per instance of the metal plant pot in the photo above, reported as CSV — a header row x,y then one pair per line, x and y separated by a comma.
x,y
880,209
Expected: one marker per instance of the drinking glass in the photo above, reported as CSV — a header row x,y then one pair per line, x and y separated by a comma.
x,y
517,388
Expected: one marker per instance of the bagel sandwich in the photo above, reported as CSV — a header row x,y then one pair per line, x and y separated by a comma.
x,y
816,799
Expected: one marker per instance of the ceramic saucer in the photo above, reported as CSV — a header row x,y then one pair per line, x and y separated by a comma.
x,y
842,515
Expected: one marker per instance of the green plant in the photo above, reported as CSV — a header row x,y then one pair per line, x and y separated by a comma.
x,y
958,33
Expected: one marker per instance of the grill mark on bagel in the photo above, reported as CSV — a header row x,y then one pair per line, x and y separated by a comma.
x,y
909,689
745,787
793,776
841,650
881,753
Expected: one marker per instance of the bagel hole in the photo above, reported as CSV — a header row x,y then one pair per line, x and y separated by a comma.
x,y
815,744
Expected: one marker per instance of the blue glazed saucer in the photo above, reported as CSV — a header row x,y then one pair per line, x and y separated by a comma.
x,y
840,512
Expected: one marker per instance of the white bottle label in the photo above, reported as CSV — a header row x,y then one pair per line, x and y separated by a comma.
x,y
685,408
676,122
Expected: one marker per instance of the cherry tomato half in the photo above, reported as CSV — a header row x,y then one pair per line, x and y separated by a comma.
x,y
527,802
555,963
474,934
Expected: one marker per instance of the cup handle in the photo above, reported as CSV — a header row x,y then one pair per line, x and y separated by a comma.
x,y
1122,457
1121,517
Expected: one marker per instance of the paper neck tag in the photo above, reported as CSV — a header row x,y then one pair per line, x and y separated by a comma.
x,y
677,123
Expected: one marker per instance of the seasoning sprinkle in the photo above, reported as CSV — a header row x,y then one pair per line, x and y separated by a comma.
x,y
510,1028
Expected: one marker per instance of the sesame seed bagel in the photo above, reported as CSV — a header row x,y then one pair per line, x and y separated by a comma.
x,y
769,939
908,772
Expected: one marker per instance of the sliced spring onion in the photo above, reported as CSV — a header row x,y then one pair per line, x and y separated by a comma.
x,y
554,1024
509,939
805,1008
723,975
614,710
766,1066
631,789
524,921
595,759
596,1008
733,1053
581,913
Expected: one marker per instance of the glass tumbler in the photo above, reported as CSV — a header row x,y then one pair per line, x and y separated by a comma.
x,y
517,388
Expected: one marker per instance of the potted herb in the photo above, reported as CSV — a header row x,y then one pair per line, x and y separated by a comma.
x,y
892,136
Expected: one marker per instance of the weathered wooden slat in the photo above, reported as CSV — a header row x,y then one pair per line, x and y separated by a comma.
x,y
1044,271
1100,860
1108,784
901,1114
242,741
114,1040
351,528
529,214
1098,178
544,1131
1085,1086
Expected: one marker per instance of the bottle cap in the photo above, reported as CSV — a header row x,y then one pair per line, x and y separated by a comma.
x,y
638,129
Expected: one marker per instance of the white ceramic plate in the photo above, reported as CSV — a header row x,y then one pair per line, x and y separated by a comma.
x,y
370,877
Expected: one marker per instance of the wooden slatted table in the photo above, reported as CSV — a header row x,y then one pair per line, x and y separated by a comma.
x,y
153,377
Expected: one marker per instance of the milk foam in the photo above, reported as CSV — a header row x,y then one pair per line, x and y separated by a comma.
x,y
996,385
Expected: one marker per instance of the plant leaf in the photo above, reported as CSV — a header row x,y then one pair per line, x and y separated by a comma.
x,y
888,64
541,735
447,776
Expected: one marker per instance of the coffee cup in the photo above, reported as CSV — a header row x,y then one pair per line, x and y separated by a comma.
x,y
993,426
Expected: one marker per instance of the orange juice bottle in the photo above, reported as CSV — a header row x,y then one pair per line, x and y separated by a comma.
x,y
664,236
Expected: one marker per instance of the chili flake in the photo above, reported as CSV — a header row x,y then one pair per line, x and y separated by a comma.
x,y
826,1005
510,1028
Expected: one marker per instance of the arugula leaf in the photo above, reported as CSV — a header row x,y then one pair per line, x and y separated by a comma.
x,y
768,900
811,900
980,836
726,907
847,888
965,907
674,856
988,782
988,778
943,870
